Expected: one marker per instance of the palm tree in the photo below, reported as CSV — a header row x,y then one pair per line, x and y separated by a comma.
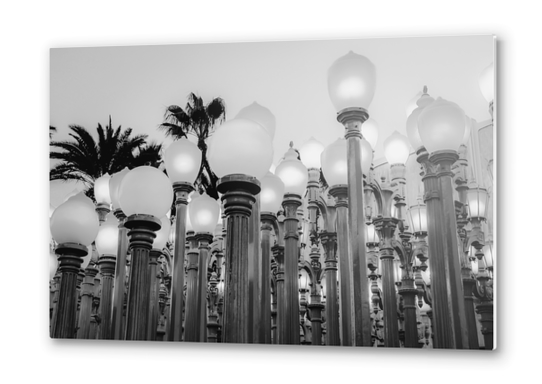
x,y
83,159
51,131
200,120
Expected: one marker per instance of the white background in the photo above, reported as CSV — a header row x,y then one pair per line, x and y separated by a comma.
x,y
27,31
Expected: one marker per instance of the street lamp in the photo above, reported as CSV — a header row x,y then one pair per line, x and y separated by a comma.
x,y
260,115
204,214
241,153
441,126
145,195
74,226
102,196
183,162
106,244
294,175
351,86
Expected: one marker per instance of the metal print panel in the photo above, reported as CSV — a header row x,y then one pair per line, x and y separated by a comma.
x,y
309,193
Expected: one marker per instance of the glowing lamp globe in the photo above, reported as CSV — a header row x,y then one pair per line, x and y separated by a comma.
x,y
477,202
204,211
75,221
366,156
108,236
412,121
351,82
304,280
101,189
293,173
371,235
369,131
310,153
260,115
487,83
114,184
162,235
271,194
396,149
418,218
441,126
183,161
334,164
488,255
146,191
241,146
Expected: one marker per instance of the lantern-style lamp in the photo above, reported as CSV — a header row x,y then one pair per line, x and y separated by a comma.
x,y
101,190
260,115
396,149
334,164
418,218
272,193
204,212
351,82
293,173
488,255
108,236
310,153
241,146
145,191
114,184
412,121
441,126
371,235
75,221
369,131
477,199
304,280
183,161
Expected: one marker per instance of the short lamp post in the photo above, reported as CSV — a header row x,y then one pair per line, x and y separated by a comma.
x,y
203,212
183,162
107,245
294,175
239,164
441,126
74,226
351,86
145,195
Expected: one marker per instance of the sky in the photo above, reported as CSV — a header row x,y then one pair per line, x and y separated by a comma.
x,y
135,84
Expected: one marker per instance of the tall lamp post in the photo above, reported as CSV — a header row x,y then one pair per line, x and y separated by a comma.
x,y
239,164
351,85
145,195
294,175
441,126
74,226
183,163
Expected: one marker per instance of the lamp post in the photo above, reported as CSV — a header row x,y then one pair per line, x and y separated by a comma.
x,y
239,164
351,85
270,200
183,162
334,168
102,196
203,212
106,244
117,320
145,195
294,176
441,127
74,225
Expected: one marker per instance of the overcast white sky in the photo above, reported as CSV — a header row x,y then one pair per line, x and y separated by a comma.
x,y
135,84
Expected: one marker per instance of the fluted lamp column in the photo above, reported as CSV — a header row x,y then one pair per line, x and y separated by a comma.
x,y
74,226
106,245
351,86
145,195
294,175
183,162
441,127
239,164
270,200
